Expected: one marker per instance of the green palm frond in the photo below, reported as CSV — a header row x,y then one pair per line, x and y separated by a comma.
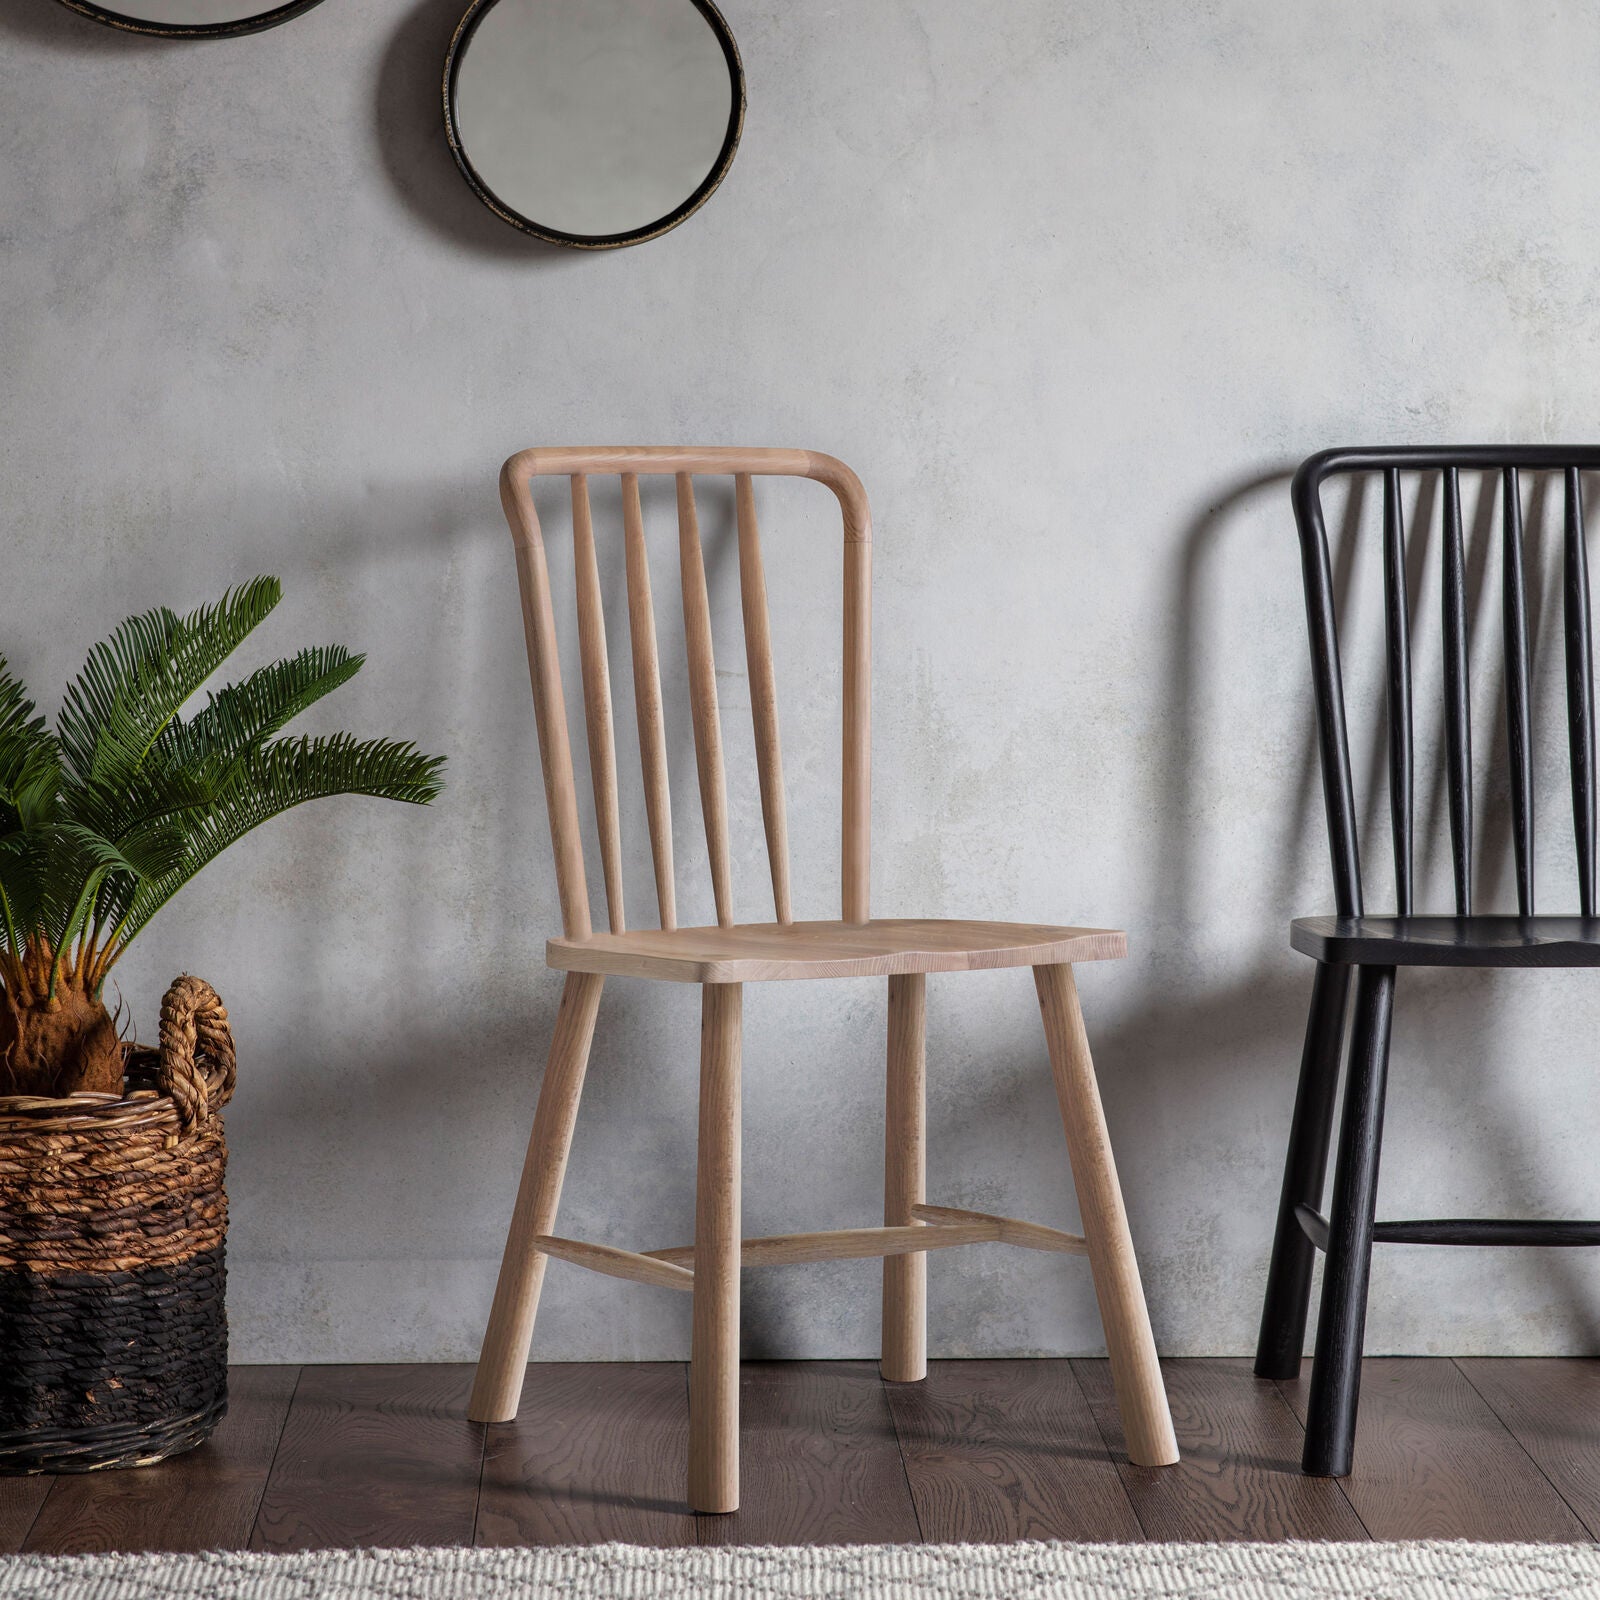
x,y
30,771
19,898
104,820
275,779
243,715
144,852
79,862
192,762
135,682
147,794
154,806
29,759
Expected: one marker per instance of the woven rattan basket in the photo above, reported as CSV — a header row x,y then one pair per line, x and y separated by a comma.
x,y
113,1328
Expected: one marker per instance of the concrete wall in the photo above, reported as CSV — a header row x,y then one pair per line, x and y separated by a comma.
x,y
1074,287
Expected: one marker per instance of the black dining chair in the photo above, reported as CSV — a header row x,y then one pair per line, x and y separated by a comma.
x,y
1354,949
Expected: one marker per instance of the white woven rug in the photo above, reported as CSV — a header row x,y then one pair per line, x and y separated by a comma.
x,y
1421,1571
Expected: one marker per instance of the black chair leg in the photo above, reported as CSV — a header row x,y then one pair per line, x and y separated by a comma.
x,y
1336,1372
1283,1311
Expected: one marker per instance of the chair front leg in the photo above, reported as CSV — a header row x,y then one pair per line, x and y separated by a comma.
x,y
714,1357
1135,1372
1341,1327
503,1361
1305,1169
905,1278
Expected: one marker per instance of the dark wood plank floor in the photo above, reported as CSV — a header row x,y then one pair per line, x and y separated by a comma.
x,y
985,1450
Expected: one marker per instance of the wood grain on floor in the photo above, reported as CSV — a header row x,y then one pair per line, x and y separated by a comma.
x,y
820,1461
374,1456
596,1453
198,1501
20,1499
1435,1462
984,1450
1002,1450
1239,1476
1551,1409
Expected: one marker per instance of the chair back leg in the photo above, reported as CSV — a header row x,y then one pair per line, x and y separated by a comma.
x,y
1283,1311
497,1388
905,1278
714,1351
1341,1327
1135,1372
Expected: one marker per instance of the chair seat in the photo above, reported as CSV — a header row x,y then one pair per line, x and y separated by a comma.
x,y
1450,941
764,952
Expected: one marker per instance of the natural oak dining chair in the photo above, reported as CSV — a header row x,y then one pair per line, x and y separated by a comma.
x,y
1357,950
723,958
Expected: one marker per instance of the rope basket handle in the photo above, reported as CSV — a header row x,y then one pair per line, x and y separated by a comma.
x,y
196,1064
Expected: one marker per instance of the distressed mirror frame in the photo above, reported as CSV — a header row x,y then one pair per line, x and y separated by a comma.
x,y
269,18
588,241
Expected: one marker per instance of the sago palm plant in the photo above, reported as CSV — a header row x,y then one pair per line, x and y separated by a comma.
x,y
103,820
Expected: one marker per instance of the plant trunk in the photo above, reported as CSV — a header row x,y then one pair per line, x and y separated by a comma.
x,y
59,1047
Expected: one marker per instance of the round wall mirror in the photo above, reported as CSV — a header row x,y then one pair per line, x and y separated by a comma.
x,y
191,19
593,123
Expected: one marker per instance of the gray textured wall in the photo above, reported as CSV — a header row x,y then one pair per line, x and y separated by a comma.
x,y
1073,286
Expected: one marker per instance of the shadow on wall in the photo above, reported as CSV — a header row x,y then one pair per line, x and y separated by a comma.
x,y
1202,547
1174,1055
416,155
343,1049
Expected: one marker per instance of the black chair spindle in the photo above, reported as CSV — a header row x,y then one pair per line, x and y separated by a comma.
x,y
1457,696
1580,688
1338,787
1519,719
1397,632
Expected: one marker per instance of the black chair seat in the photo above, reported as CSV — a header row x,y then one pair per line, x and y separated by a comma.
x,y
1450,941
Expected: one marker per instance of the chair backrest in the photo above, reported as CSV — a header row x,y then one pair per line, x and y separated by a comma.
x,y
1509,462
744,466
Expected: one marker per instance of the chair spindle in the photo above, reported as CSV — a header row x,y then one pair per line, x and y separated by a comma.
x,y
597,700
703,698
1457,695
856,811
1519,721
1580,688
1397,631
544,669
763,695
647,701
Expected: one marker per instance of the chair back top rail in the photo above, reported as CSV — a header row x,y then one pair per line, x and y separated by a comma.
x,y
555,751
1448,462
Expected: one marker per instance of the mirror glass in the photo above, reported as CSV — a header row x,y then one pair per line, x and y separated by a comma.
x,y
190,17
594,121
